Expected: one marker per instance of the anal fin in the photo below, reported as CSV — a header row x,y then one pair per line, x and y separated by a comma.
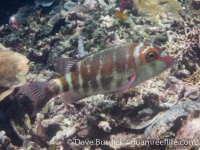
x,y
70,97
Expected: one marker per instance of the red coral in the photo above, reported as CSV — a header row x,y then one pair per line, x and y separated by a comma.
x,y
14,23
124,4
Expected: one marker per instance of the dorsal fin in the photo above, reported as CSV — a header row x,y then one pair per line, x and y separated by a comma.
x,y
62,65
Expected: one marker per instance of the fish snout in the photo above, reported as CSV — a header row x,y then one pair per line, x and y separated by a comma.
x,y
169,61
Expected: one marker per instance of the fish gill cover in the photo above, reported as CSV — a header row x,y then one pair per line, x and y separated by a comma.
x,y
162,108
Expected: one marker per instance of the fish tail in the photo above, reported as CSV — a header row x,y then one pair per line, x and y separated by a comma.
x,y
38,93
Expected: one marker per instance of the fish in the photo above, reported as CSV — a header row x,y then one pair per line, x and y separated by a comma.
x,y
53,147
114,69
44,3
120,15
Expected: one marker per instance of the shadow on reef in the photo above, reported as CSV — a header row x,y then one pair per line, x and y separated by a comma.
x,y
9,8
12,113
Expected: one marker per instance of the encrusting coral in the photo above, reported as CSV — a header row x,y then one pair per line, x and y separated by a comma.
x,y
189,131
13,68
156,7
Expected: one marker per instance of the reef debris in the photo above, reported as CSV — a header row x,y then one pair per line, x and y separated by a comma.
x,y
163,123
189,131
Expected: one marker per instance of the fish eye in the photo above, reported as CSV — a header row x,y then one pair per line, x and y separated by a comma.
x,y
151,56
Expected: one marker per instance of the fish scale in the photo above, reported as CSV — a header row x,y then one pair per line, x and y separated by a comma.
x,y
106,74
114,69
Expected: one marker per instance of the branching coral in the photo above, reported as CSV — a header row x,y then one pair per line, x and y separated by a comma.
x,y
180,43
13,68
194,79
156,7
185,40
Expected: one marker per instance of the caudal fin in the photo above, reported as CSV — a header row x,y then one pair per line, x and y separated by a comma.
x,y
36,92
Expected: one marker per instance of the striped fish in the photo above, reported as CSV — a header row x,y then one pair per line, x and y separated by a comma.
x,y
112,70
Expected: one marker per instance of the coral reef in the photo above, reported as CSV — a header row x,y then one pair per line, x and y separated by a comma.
x,y
5,141
123,4
14,67
193,80
164,122
165,107
189,131
53,20
156,8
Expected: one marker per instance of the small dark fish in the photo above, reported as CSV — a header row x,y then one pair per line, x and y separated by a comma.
x,y
44,2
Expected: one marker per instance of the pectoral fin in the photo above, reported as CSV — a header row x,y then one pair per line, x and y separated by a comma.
x,y
131,80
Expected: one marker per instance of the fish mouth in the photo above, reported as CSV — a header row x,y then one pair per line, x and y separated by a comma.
x,y
172,62
169,61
